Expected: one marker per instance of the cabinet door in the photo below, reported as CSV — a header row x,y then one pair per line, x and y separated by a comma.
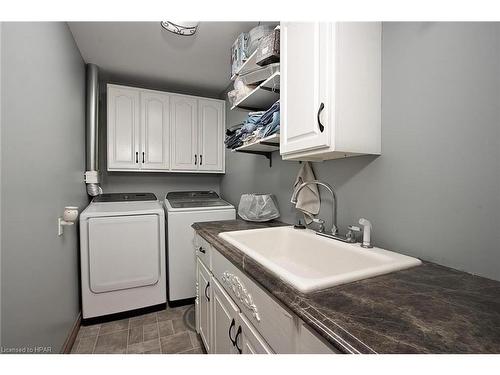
x,y
305,76
123,128
204,304
155,131
210,135
184,133
224,321
249,340
197,302
310,343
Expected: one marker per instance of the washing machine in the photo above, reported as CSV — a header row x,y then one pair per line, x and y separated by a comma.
x,y
182,210
122,247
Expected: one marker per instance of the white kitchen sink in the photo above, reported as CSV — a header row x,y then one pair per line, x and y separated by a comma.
x,y
310,262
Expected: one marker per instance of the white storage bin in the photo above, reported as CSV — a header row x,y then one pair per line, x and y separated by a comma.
x,y
256,34
260,75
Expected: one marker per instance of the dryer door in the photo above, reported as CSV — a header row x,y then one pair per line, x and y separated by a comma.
x,y
124,252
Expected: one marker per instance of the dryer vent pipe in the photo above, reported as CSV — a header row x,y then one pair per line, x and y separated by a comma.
x,y
92,131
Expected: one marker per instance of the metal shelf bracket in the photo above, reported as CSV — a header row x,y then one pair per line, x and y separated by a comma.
x,y
267,154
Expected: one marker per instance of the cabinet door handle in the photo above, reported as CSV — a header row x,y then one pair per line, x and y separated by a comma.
x,y
321,126
136,157
201,159
233,323
206,289
202,250
236,339
195,159
143,157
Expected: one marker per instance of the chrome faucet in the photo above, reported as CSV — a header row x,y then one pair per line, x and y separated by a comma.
x,y
350,237
367,228
334,205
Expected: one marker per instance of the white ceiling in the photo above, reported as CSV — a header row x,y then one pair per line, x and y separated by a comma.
x,y
145,54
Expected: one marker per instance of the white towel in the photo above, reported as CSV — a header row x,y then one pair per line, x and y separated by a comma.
x,y
308,198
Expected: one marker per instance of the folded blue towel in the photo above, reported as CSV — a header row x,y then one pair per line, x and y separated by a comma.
x,y
267,117
256,125
273,127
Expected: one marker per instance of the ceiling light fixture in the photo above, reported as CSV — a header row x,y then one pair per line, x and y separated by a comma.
x,y
184,28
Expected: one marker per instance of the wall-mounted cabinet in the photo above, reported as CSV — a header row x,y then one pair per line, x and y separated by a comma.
x,y
123,128
211,127
184,133
154,131
330,90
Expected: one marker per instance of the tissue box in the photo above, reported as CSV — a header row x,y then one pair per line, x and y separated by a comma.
x,y
269,49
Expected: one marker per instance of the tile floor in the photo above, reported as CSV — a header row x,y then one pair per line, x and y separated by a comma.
x,y
170,331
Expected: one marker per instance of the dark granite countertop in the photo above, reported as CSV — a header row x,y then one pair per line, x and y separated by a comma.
x,y
425,309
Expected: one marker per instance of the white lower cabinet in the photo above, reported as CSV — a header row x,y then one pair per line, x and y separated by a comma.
x,y
236,316
232,333
309,342
249,341
204,305
224,321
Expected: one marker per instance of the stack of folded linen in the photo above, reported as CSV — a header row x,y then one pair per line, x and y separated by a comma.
x,y
237,135
257,125
233,138
270,121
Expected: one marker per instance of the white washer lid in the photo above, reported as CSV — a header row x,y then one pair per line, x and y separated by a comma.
x,y
122,208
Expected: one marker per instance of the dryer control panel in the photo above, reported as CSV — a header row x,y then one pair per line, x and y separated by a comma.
x,y
124,197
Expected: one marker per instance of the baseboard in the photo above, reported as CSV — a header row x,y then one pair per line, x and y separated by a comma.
x,y
123,315
70,340
181,302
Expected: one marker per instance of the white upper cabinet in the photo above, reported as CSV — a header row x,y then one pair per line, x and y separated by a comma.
x,y
303,93
154,131
123,128
330,90
211,135
184,122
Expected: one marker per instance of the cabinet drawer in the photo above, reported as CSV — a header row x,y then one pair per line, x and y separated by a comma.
x,y
252,341
203,250
270,319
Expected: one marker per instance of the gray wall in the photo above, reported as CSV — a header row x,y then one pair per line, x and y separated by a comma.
x,y
43,124
159,183
434,191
